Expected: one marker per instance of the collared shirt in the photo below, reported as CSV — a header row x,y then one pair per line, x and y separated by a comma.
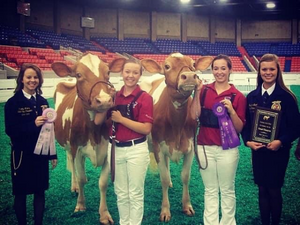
x,y
269,90
28,96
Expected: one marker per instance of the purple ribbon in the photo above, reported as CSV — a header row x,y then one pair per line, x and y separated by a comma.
x,y
229,136
46,141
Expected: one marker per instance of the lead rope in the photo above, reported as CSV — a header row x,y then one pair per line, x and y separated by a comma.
x,y
112,155
196,148
113,150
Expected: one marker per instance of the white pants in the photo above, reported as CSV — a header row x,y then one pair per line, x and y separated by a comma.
x,y
131,165
219,176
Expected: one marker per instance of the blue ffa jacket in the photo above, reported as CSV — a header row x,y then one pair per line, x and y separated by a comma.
x,y
278,100
20,115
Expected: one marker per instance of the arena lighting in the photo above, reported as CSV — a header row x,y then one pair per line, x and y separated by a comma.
x,y
185,1
270,5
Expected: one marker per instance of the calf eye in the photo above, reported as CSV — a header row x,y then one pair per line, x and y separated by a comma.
x,y
167,67
78,75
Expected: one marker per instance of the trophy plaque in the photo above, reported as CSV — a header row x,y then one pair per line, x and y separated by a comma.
x,y
265,125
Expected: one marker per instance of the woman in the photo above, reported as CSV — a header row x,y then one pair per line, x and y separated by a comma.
x,y
131,150
23,122
222,162
270,160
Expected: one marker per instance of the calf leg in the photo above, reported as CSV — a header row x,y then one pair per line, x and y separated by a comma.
x,y
71,168
185,177
105,217
165,214
82,180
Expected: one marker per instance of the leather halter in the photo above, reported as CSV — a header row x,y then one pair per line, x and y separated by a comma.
x,y
89,99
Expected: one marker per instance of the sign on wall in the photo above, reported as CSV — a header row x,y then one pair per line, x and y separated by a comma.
x,y
87,22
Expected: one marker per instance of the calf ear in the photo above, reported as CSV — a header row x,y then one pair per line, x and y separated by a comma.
x,y
61,69
116,65
203,63
152,66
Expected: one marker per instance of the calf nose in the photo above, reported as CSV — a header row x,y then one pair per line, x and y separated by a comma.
x,y
188,76
103,100
187,81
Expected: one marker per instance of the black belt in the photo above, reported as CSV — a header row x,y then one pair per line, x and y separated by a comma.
x,y
129,143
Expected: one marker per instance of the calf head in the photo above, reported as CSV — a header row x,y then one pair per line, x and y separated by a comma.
x,y
179,71
92,80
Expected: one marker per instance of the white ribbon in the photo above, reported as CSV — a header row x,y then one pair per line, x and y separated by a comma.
x,y
46,142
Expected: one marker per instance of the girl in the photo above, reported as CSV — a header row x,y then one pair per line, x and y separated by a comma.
x,y
270,160
23,122
219,176
131,148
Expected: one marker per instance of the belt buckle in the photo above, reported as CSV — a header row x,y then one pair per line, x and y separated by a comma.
x,y
132,142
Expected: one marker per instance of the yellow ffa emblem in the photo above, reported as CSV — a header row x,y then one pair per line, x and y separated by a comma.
x,y
276,105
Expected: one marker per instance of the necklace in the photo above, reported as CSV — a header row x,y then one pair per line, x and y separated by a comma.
x,y
14,164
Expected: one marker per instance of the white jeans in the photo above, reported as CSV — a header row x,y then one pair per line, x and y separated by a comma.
x,y
219,176
131,165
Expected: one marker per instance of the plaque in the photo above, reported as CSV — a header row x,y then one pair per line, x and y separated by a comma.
x,y
265,125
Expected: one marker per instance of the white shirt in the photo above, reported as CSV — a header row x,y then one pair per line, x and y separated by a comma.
x,y
269,90
29,95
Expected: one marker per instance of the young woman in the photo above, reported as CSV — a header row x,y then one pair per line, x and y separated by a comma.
x,y
131,149
270,160
222,161
23,122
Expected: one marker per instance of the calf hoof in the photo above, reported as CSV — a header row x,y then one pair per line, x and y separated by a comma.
x,y
74,189
106,219
106,222
79,209
165,216
189,211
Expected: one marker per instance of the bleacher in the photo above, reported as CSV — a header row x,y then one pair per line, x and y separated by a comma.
x,y
45,47
167,46
129,45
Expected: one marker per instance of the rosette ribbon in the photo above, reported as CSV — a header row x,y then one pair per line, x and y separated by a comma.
x,y
46,141
229,136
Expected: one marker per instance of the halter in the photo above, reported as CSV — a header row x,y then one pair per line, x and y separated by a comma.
x,y
89,99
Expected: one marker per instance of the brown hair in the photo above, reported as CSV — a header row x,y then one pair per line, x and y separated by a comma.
x,y
279,79
225,57
131,60
19,80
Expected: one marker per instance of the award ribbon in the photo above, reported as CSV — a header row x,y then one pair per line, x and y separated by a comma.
x,y
46,142
229,136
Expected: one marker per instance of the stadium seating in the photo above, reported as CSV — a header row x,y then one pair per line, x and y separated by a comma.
x,y
45,47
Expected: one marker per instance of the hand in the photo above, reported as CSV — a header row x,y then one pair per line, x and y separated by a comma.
x,y
40,120
255,145
111,91
54,163
199,84
274,145
228,105
116,116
